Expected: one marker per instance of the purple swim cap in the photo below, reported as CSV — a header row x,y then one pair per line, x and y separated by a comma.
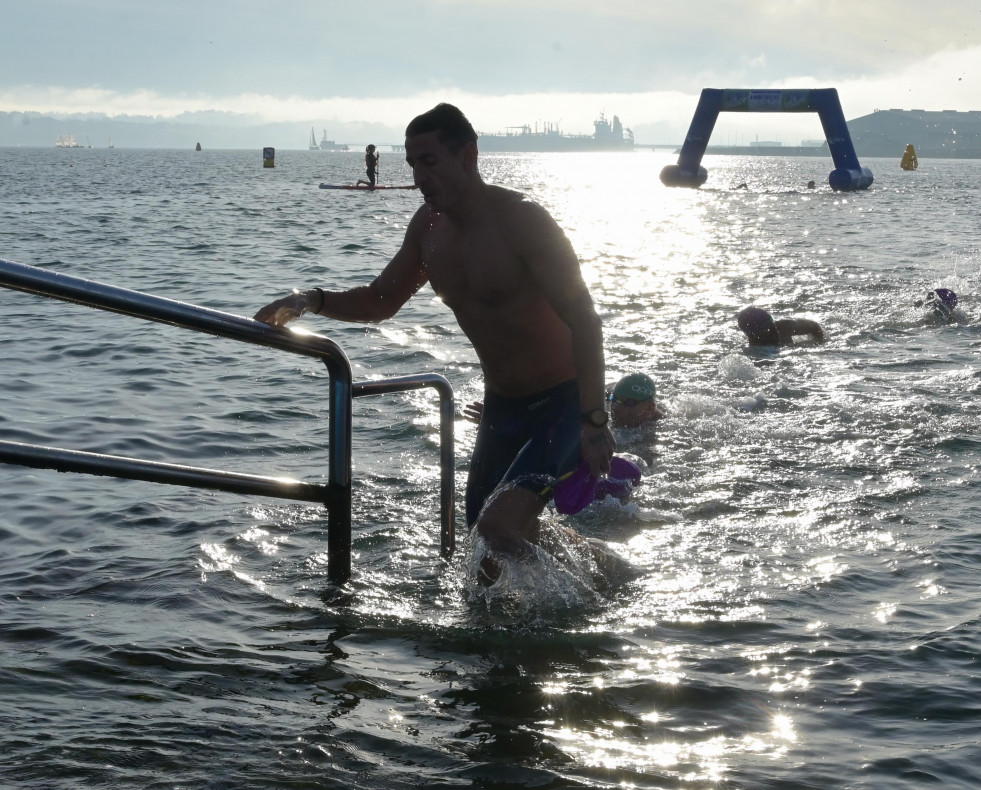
x,y
945,296
758,325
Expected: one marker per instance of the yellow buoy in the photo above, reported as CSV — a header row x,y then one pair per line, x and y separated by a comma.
x,y
909,158
268,157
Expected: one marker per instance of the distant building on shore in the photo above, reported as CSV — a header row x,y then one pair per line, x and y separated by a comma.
x,y
945,134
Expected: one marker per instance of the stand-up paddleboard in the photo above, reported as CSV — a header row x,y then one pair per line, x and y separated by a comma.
x,y
366,188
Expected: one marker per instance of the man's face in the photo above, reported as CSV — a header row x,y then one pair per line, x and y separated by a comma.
x,y
440,174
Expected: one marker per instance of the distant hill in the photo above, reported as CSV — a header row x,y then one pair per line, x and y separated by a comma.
x,y
944,134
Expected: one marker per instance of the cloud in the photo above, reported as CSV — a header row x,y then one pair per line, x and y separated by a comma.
x,y
511,62
944,80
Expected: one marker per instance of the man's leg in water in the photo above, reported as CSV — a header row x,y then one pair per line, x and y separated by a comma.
x,y
510,523
509,520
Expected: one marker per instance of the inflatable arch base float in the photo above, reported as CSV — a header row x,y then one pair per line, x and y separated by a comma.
x,y
848,175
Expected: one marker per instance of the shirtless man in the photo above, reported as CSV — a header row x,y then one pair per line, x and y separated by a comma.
x,y
512,279
762,330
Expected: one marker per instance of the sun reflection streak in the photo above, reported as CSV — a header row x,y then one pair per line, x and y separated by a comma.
x,y
702,760
224,560
261,538
639,237
783,727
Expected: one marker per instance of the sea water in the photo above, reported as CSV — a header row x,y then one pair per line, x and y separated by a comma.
x,y
805,613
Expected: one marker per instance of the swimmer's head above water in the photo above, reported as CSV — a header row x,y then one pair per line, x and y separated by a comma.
x,y
632,401
758,325
941,300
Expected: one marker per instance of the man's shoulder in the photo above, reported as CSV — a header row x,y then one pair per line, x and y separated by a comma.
x,y
516,209
507,200
424,215
420,224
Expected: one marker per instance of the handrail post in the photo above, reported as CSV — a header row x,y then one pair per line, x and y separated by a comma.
x,y
339,476
447,462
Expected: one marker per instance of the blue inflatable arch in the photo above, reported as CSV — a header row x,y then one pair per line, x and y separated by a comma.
x,y
848,174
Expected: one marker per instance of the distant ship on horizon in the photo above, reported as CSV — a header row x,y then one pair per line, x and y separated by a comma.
x,y
324,144
607,136
68,141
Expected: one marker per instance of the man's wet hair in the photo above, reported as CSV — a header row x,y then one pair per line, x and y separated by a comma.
x,y
452,125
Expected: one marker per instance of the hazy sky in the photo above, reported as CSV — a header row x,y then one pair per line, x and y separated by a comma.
x,y
504,62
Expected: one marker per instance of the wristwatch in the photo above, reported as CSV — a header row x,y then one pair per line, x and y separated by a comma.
x,y
597,417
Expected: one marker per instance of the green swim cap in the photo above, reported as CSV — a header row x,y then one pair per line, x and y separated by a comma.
x,y
636,386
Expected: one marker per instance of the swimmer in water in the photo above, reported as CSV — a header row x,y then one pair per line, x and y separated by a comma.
x,y
942,301
632,403
762,330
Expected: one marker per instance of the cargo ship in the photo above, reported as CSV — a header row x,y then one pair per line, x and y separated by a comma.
x,y
325,144
608,136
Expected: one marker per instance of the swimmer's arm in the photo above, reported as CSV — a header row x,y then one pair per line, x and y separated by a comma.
x,y
788,328
804,326
381,299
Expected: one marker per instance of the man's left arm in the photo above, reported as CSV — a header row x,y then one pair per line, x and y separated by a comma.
x,y
555,266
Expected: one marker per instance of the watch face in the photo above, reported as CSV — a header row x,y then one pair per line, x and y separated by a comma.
x,y
597,417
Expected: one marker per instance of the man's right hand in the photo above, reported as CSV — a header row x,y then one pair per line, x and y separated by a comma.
x,y
598,445
282,311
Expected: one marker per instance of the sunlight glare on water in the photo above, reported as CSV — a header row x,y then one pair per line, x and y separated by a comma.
x,y
801,610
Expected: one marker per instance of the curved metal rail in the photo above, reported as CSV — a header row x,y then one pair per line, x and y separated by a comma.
x,y
335,494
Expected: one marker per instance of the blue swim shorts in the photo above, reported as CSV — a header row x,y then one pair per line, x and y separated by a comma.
x,y
529,441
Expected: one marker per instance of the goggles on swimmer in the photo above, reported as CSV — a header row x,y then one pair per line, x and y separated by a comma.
x,y
629,402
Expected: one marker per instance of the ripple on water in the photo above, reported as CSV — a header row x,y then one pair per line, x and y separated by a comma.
x,y
806,611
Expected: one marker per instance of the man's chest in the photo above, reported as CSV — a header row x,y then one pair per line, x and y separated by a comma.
x,y
481,268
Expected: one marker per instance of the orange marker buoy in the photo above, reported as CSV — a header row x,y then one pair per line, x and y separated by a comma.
x,y
909,158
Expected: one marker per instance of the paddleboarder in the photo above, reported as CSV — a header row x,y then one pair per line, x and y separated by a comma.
x,y
371,165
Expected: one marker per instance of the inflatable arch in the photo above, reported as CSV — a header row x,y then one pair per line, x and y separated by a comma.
x,y
848,174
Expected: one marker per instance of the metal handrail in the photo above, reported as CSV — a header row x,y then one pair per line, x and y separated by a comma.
x,y
335,495
446,446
